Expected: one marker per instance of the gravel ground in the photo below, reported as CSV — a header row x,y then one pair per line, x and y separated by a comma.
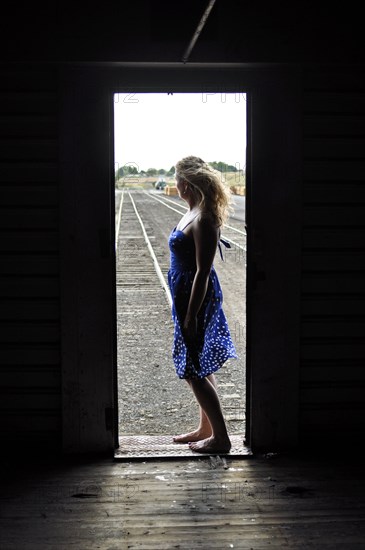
x,y
152,400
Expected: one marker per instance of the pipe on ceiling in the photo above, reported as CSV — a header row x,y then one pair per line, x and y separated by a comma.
x,y
199,29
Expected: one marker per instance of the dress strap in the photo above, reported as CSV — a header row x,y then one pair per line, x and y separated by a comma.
x,y
185,226
226,244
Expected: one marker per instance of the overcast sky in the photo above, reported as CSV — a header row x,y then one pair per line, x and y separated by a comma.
x,y
157,130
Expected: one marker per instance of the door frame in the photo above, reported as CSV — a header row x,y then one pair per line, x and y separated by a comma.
x,y
87,236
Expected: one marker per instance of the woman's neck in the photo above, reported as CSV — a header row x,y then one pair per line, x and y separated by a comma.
x,y
193,205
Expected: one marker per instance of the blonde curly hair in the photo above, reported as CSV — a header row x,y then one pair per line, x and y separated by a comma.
x,y
212,194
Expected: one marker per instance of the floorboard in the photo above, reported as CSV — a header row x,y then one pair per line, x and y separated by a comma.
x,y
258,502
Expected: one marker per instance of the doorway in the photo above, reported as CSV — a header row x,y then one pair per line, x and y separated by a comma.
x,y
87,245
151,132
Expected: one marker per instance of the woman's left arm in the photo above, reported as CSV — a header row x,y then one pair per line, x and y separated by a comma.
x,y
205,236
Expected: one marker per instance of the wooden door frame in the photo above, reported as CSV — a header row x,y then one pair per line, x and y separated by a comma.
x,y
88,297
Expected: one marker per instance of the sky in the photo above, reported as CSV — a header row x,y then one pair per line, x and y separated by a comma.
x,y
155,130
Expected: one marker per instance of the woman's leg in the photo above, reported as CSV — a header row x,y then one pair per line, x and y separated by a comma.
x,y
207,397
204,429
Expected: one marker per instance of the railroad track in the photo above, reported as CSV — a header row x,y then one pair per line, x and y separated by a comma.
x,y
140,269
135,234
142,230
232,231
145,329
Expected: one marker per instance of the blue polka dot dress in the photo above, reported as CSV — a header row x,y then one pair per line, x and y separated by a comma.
x,y
213,344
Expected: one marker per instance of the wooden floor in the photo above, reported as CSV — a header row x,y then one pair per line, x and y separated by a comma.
x,y
267,502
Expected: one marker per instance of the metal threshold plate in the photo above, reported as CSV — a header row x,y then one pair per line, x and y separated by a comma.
x,y
162,446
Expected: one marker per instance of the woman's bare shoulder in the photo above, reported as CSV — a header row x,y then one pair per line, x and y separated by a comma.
x,y
206,223
207,219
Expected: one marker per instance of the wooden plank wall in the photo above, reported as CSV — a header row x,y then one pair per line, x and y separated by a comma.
x,y
332,374
30,394
333,251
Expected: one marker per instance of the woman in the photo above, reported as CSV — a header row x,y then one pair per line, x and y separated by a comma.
x,y
202,342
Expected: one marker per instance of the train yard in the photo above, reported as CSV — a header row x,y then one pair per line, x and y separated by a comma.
x,y
152,400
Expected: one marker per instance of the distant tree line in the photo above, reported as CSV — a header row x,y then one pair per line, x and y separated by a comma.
x,y
223,167
130,170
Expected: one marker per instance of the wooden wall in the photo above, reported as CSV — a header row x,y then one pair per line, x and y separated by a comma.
x,y
332,375
332,349
30,381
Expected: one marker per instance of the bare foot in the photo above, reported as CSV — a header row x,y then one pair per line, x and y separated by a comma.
x,y
211,445
197,435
